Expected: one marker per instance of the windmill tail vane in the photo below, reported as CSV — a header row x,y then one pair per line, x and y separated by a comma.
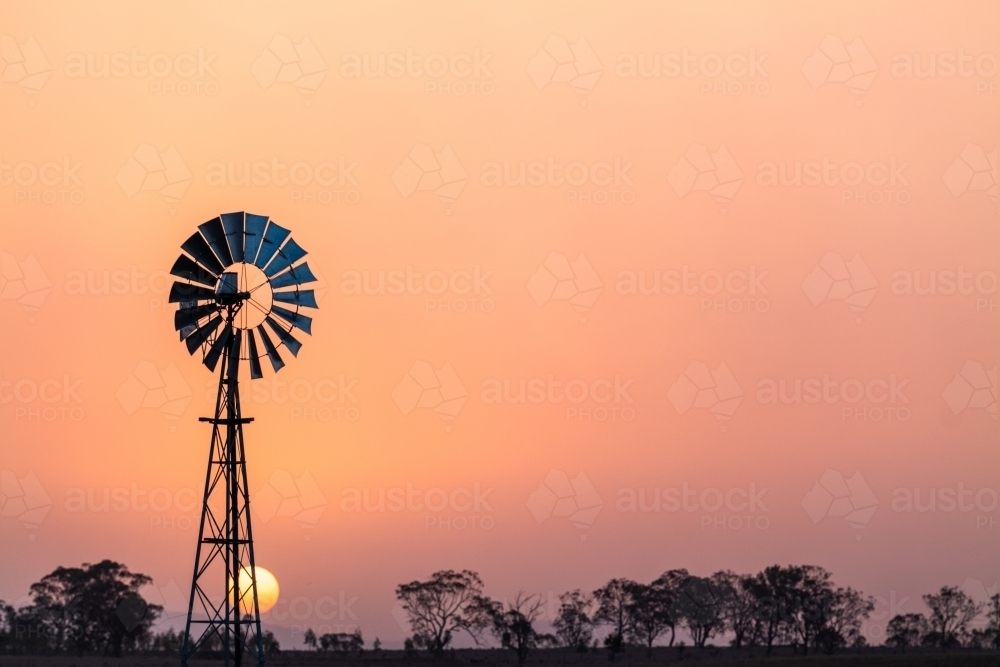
x,y
240,282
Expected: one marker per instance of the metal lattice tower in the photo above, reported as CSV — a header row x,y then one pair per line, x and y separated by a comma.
x,y
234,266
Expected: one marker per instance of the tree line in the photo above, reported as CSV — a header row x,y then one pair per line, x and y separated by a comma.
x,y
796,605
98,609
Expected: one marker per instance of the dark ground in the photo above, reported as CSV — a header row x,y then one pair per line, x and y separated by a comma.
x,y
710,657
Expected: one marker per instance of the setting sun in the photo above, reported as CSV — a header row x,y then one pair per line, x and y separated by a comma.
x,y
267,590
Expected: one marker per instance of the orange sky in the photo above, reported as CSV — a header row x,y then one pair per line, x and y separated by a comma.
x,y
676,173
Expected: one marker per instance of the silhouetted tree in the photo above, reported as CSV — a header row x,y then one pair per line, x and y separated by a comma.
x,y
774,591
951,612
669,584
843,618
808,604
271,645
650,611
699,606
512,623
905,630
439,607
343,642
613,600
992,630
169,642
739,607
573,625
309,639
93,608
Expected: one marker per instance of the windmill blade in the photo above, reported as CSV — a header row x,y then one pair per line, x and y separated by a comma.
x,y
255,371
255,225
295,319
213,354
182,292
272,351
195,340
290,341
296,275
197,247
274,236
185,267
216,237
304,297
232,224
289,253
234,354
185,317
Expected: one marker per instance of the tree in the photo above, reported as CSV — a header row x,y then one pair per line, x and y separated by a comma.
x,y
700,607
168,642
309,639
774,591
739,607
992,629
843,619
613,601
93,608
8,623
669,584
438,607
650,610
573,624
905,630
810,599
271,645
512,623
951,612
343,642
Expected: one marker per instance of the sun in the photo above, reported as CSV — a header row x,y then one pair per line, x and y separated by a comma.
x,y
267,590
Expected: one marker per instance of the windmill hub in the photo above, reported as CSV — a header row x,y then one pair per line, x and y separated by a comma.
x,y
245,286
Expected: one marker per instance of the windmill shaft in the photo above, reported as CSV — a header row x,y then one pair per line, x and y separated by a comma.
x,y
224,553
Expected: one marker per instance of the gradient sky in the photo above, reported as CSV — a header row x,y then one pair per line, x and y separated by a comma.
x,y
848,88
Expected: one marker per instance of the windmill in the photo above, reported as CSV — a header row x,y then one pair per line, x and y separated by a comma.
x,y
241,285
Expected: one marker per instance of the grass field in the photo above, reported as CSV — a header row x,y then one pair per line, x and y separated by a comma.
x,y
711,657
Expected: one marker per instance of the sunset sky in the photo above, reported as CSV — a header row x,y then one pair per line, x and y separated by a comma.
x,y
720,203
